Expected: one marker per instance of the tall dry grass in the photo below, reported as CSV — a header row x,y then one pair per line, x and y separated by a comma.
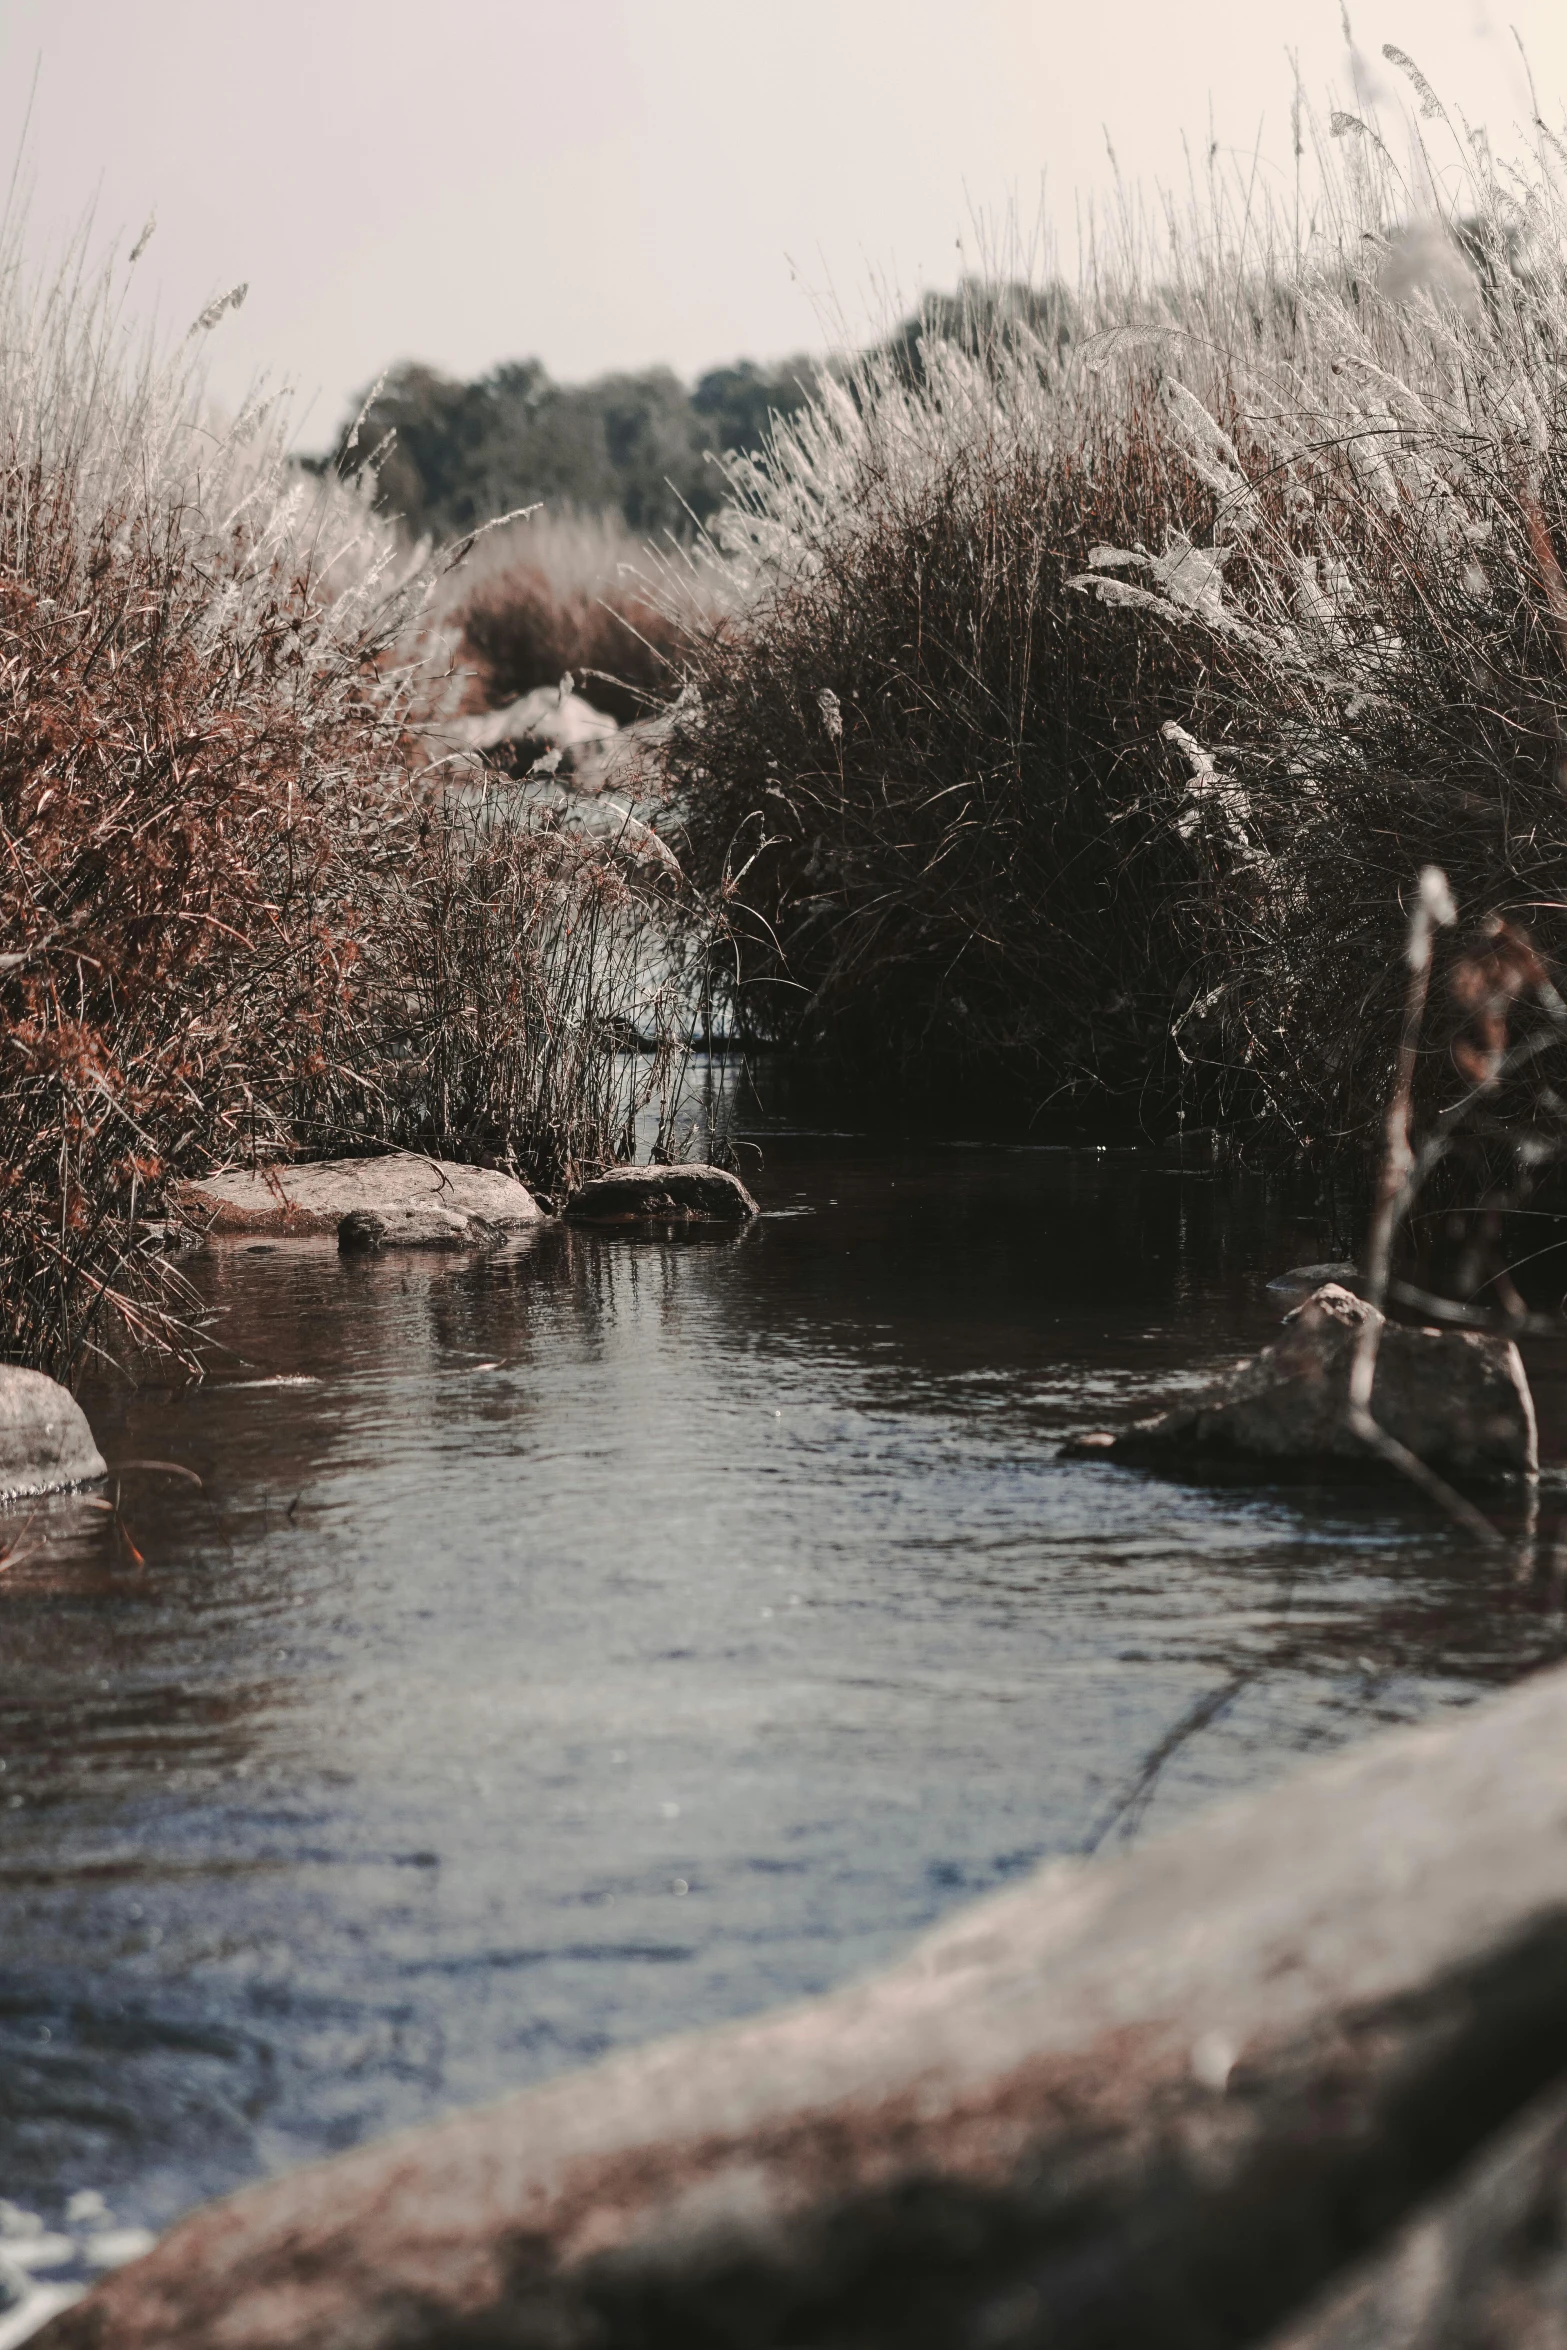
x,y
238,916
1093,696
519,996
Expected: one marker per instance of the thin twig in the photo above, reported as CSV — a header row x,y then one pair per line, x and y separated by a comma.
x,y
1433,908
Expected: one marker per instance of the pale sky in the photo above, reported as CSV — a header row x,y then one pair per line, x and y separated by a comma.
x,y
610,183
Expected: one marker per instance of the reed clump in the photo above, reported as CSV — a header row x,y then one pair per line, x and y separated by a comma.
x,y
1086,698
519,996
240,915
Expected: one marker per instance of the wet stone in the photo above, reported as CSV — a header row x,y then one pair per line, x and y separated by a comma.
x,y
656,1195
1457,1399
365,1231
1301,1280
46,1445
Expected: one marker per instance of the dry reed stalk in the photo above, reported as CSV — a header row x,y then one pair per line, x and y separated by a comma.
x,y
1433,907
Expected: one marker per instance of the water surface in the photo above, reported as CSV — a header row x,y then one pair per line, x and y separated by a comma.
x,y
615,1634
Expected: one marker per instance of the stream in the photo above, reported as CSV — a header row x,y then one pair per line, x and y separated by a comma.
x,y
614,1634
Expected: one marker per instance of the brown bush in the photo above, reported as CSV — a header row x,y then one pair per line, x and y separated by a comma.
x,y
570,593
237,918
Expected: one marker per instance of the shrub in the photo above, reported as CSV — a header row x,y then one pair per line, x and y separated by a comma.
x,y
556,593
1094,694
517,996
215,849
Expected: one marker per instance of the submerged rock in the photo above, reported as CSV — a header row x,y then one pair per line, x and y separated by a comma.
x,y
46,1445
1458,1399
316,1196
662,1195
365,1231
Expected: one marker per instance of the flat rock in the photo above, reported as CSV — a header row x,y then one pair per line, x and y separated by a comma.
x,y
679,1194
1458,1399
317,1194
553,731
46,1445
1162,2099
366,1231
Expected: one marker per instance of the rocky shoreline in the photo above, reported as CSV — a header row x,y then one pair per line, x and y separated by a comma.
x,y
399,1201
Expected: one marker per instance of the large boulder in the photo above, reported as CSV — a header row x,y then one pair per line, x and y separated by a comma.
x,y
1160,2099
1458,1399
46,1445
316,1195
691,1194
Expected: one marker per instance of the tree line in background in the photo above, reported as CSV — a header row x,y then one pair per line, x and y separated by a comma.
x,y
451,455
637,445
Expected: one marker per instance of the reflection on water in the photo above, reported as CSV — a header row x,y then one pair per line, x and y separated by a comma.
x,y
613,1635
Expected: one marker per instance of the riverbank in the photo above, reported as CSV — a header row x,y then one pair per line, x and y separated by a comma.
x,y
248,913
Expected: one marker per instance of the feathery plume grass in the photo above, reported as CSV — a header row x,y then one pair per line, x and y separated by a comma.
x,y
1164,649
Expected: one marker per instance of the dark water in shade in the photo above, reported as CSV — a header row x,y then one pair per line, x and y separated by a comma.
x,y
619,1634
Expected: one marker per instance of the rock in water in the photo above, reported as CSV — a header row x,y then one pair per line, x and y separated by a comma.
x,y
551,718
1300,1279
46,1445
661,1195
315,1197
1458,1399
365,1231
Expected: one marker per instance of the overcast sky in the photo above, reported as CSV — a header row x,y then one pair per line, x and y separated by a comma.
x,y
608,183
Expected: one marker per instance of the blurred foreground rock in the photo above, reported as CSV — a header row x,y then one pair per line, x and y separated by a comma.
x,y
46,1445
1483,2267
1458,1399
315,1197
647,1195
1155,2101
